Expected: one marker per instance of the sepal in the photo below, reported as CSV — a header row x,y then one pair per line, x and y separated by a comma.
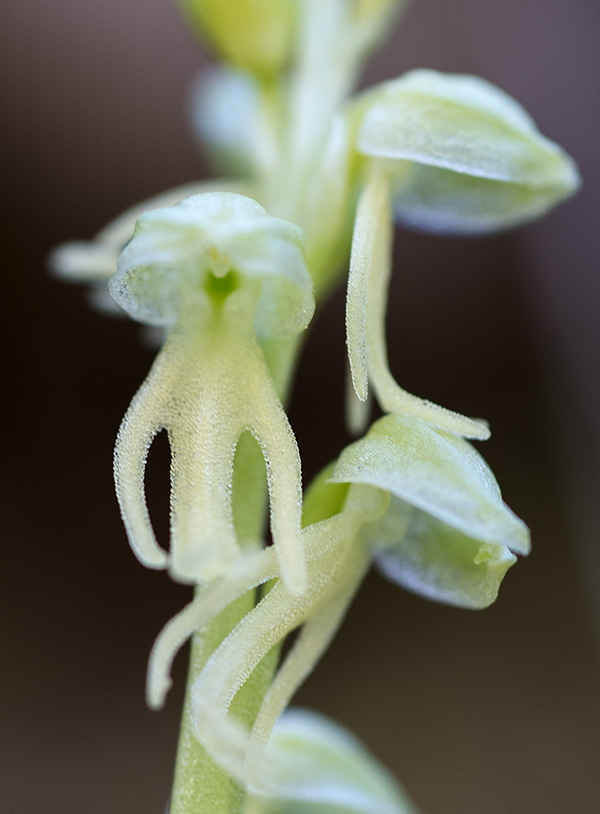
x,y
174,249
95,261
463,156
446,534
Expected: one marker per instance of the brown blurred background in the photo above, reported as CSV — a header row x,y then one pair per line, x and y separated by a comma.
x,y
476,713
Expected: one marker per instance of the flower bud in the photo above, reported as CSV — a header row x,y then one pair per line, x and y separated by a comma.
x,y
324,769
252,34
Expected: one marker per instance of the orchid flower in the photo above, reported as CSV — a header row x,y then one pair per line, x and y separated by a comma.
x,y
446,535
216,270
422,504
443,153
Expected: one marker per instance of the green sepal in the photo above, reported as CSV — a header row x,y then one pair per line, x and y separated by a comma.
x,y
463,156
175,250
447,534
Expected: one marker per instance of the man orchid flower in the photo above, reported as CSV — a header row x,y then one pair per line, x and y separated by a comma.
x,y
211,270
423,505
442,153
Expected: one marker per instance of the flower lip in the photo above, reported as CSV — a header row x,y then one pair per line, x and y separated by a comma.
x,y
215,232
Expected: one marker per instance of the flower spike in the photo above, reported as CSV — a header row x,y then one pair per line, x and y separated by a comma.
x,y
223,271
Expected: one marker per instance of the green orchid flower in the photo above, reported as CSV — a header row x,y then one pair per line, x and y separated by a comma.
x,y
442,153
217,272
446,534
422,504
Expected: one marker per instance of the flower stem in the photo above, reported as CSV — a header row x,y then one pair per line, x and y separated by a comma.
x,y
200,785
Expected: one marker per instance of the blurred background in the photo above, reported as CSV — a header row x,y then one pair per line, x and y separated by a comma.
x,y
476,713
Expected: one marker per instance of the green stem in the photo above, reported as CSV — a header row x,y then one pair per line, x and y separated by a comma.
x,y
200,785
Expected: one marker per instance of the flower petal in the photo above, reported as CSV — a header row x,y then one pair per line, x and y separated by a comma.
x,y
96,260
434,560
438,473
324,769
441,201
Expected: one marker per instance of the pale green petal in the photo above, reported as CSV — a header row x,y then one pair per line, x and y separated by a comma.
x,y
434,560
461,123
447,534
371,242
446,202
482,164
215,232
325,770
437,472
